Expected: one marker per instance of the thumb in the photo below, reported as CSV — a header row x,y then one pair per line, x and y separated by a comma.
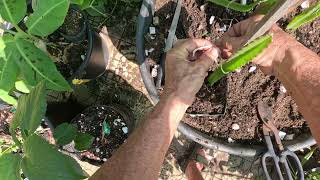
x,y
208,58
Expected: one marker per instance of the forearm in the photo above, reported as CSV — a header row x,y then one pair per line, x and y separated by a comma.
x,y
299,71
142,155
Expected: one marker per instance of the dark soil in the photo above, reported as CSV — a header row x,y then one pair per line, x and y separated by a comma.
x,y
73,23
68,55
6,117
234,98
90,121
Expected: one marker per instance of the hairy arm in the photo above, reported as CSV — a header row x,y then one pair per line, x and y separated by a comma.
x,y
142,155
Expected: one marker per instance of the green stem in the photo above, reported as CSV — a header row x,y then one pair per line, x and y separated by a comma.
x,y
8,149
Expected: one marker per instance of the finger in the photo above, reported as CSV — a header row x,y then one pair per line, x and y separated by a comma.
x,y
190,45
208,58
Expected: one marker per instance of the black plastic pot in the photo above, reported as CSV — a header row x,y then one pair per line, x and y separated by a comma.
x,y
144,20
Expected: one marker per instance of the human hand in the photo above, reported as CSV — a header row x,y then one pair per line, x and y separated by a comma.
x,y
234,38
187,66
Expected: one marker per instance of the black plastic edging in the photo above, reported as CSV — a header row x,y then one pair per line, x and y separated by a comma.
x,y
144,20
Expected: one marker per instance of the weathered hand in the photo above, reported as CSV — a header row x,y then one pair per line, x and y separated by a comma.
x,y
235,36
185,73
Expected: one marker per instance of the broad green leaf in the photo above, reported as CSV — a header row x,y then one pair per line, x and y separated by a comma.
x,y
83,141
315,175
8,67
106,128
23,87
65,133
43,161
307,16
48,16
237,6
36,65
10,167
241,58
7,98
79,2
13,10
31,109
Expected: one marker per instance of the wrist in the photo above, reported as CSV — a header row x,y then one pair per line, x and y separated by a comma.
x,y
176,99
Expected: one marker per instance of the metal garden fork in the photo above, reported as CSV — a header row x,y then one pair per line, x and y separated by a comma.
x,y
279,155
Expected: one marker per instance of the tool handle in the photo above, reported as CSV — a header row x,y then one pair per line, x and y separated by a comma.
x,y
283,159
276,161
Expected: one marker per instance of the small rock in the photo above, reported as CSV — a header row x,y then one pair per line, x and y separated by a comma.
x,y
97,139
202,7
223,29
211,20
235,126
252,69
305,4
289,137
104,159
146,52
156,20
283,89
97,150
238,70
83,57
282,134
151,50
125,130
154,71
152,30
230,140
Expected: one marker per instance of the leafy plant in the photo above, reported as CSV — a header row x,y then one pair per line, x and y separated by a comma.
x,y
237,6
20,59
241,58
306,17
38,159
93,7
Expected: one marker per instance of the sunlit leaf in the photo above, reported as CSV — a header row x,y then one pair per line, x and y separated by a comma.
x,y
237,6
13,10
10,166
65,133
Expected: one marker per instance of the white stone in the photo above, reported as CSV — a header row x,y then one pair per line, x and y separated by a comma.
x,y
125,130
97,150
104,159
223,29
235,126
154,71
97,139
238,70
152,30
230,140
305,4
282,135
151,50
202,7
252,69
146,52
211,19
283,89
83,57
156,20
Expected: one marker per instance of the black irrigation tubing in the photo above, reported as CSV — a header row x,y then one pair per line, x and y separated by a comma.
x,y
144,20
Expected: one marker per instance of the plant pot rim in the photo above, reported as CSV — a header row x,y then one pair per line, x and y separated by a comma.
x,y
144,20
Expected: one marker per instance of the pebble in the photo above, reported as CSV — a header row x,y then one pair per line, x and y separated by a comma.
x,y
283,89
151,50
238,70
223,29
211,19
154,71
146,52
156,20
97,150
152,30
230,140
252,69
104,159
97,139
282,135
202,7
305,4
235,126
83,57
125,130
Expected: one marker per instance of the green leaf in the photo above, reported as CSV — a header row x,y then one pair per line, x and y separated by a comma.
x,y
315,175
13,10
65,133
78,2
36,65
7,98
307,16
23,87
43,161
241,58
106,128
8,67
47,17
10,167
31,109
308,156
83,141
237,6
